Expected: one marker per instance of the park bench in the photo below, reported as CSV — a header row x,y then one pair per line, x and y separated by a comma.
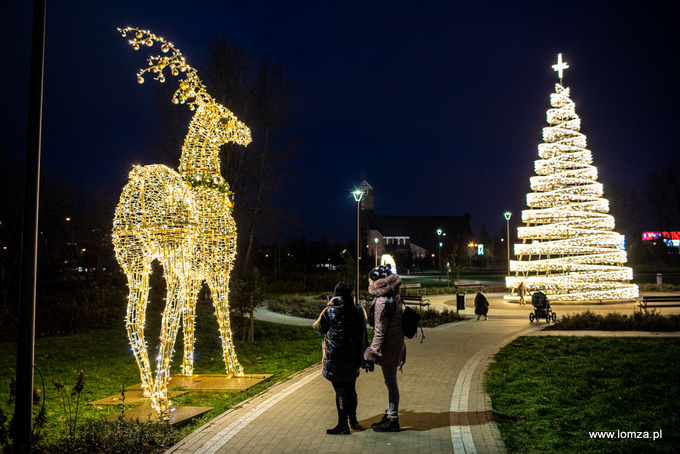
x,y
415,301
410,300
660,301
417,285
469,285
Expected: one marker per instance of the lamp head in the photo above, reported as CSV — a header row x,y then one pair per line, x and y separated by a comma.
x,y
507,215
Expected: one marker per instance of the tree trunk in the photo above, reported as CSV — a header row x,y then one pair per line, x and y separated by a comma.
x,y
251,333
256,204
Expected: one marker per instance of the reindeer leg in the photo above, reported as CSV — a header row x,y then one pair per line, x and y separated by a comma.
x,y
220,288
169,326
138,282
189,326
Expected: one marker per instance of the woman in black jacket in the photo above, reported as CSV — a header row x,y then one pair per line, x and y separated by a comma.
x,y
344,326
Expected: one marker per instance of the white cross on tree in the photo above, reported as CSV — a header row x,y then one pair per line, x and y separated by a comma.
x,y
560,66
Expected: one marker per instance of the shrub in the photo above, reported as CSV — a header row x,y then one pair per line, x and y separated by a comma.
x,y
299,306
286,287
640,320
424,291
311,307
649,287
432,317
64,311
117,437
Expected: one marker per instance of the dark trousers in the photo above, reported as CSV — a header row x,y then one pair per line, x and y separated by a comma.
x,y
345,398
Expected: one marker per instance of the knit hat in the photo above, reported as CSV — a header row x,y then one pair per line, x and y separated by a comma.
x,y
380,272
343,289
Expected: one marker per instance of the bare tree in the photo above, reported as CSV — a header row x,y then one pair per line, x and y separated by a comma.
x,y
258,93
262,98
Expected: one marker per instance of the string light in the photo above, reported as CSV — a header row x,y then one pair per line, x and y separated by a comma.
x,y
182,219
570,251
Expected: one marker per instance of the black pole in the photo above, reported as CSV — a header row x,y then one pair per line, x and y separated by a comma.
x,y
23,410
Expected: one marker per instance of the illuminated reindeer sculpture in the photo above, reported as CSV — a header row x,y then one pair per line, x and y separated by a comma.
x,y
182,219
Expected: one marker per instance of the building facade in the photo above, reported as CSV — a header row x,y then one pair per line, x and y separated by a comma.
x,y
413,241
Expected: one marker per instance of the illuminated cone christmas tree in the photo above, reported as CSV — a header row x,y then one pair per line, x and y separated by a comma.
x,y
569,249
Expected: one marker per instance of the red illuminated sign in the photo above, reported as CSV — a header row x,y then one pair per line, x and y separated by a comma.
x,y
647,236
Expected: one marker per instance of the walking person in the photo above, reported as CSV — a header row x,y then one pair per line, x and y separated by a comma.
x,y
388,349
481,305
522,292
344,327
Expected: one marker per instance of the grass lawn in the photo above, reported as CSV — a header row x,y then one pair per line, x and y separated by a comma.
x,y
108,364
549,393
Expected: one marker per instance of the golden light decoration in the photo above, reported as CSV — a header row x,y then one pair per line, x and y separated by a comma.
x,y
182,219
569,251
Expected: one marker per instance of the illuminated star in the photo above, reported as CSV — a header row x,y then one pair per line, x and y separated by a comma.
x,y
560,66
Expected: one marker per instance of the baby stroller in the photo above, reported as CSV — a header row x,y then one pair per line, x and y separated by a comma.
x,y
541,308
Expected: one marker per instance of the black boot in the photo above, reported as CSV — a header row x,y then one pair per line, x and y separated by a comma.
x,y
382,421
354,423
341,429
352,412
390,424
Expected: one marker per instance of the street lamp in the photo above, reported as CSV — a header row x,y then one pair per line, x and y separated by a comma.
x,y
376,251
507,215
439,237
357,197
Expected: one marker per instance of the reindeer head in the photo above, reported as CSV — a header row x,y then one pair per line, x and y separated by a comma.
x,y
191,90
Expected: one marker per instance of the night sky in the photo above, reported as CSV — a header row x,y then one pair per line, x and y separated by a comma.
x,y
438,105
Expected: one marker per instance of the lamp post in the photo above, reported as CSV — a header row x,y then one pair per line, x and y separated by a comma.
x,y
357,197
23,407
507,215
439,239
376,250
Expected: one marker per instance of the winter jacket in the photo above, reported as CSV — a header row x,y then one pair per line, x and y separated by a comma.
x,y
388,347
343,324
522,289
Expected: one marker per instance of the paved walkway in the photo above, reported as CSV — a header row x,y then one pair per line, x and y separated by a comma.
x,y
443,407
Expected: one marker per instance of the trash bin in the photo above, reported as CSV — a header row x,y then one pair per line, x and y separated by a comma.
x,y
659,279
460,301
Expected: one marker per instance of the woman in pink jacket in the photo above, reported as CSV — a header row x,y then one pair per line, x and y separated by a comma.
x,y
388,349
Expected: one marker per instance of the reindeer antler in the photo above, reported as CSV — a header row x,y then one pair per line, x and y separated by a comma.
x,y
189,87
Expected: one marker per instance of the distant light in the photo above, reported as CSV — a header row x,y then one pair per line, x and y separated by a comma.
x,y
388,259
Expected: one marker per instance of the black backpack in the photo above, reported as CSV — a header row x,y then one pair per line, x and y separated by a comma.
x,y
410,321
